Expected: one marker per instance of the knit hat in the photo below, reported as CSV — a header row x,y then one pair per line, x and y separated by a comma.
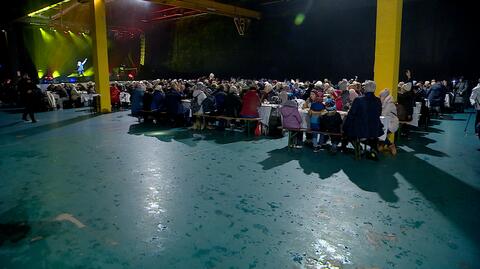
x,y
318,96
370,86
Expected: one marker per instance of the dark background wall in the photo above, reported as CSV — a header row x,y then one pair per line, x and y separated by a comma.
x,y
336,39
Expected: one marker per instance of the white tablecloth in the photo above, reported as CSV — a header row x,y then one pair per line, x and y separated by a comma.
x,y
264,112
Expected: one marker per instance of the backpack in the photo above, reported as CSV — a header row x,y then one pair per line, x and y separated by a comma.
x,y
209,104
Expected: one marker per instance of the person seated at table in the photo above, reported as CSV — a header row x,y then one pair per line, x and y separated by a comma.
x,y
268,93
283,95
250,103
158,101
176,112
233,103
317,108
363,119
291,119
389,110
311,99
331,123
220,96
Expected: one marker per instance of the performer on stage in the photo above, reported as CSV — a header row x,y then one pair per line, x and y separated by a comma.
x,y
80,68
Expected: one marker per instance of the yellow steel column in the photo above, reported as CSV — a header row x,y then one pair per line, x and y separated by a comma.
x,y
100,54
387,45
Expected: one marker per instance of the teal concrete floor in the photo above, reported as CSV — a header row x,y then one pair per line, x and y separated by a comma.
x,y
157,198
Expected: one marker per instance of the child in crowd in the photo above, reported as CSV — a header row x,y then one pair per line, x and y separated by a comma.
x,y
291,119
316,109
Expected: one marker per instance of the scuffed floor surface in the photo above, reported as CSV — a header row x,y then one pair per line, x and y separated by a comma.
x,y
106,192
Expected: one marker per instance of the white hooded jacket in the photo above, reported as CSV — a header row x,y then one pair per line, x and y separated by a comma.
x,y
390,110
475,97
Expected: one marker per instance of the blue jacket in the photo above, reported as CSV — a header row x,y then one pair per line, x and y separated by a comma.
x,y
136,100
363,119
436,95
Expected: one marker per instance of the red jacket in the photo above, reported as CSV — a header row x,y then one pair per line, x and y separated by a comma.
x,y
114,95
251,102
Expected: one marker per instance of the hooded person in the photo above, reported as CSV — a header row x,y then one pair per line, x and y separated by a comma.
x,y
291,119
363,118
198,97
389,110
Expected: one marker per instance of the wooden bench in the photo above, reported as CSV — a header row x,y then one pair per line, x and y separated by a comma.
x,y
247,121
145,114
357,144
305,130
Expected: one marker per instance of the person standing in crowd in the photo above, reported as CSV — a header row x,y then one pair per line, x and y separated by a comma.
x,y
27,91
460,90
475,101
436,97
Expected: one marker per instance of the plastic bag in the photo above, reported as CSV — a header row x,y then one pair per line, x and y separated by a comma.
x,y
258,129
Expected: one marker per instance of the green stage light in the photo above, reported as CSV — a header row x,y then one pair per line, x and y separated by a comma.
x,y
299,19
46,36
40,73
55,74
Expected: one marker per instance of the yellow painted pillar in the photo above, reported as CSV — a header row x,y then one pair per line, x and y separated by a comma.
x,y
387,45
100,54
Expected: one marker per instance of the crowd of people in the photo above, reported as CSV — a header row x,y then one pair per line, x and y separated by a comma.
x,y
348,106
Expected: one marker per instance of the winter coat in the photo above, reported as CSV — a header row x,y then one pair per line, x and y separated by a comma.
x,y
114,95
220,101
291,118
199,96
316,111
158,101
389,110
233,105
283,97
251,102
173,101
436,95
331,122
475,97
136,100
363,119
338,100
